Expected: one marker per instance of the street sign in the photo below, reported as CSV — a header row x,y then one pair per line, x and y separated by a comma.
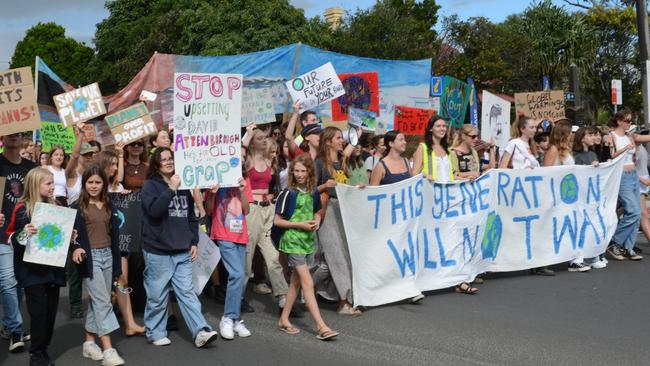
x,y
617,92
436,86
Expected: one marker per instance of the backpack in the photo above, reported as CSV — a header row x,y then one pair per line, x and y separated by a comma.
x,y
284,206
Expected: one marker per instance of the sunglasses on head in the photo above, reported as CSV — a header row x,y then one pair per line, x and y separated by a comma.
x,y
473,137
137,144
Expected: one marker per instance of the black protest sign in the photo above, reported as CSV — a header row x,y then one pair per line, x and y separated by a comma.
x,y
129,213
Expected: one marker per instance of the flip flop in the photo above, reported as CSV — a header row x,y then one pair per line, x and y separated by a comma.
x,y
327,335
469,290
289,329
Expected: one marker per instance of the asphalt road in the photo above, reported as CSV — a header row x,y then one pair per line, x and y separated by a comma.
x,y
594,318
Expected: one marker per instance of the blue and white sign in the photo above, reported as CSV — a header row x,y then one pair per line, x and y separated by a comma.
x,y
436,86
422,236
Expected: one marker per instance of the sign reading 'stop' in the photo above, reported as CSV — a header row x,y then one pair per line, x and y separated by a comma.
x,y
80,105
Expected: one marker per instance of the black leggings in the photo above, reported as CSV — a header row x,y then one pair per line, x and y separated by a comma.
x,y
42,302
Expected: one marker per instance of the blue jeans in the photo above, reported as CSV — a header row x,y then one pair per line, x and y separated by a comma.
x,y
100,318
234,259
11,319
628,198
160,272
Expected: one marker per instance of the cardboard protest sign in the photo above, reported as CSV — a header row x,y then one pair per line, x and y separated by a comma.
x,y
506,220
207,128
80,105
207,258
495,119
55,133
411,121
316,87
544,105
18,108
131,124
367,120
129,214
361,92
257,106
49,246
454,100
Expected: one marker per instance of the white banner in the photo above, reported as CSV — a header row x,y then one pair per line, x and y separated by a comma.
x,y
207,123
419,236
495,119
316,87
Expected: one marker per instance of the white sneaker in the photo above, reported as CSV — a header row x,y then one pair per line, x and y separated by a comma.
x,y
164,341
112,358
91,350
226,328
204,338
417,298
598,264
241,329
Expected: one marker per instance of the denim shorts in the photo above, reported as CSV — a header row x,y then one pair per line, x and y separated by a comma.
x,y
295,260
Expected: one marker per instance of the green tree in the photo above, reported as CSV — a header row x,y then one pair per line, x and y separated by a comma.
x,y
559,39
65,55
136,29
391,29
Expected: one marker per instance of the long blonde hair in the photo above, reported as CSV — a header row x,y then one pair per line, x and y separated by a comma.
x,y
465,130
32,192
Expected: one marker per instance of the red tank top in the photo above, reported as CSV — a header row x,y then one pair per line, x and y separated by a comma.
x,y
260,180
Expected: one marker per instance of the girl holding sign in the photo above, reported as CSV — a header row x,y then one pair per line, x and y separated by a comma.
x,y
102,264
622,245
41,282
431,159
332,256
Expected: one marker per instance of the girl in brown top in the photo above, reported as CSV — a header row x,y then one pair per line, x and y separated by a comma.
x,y
135,167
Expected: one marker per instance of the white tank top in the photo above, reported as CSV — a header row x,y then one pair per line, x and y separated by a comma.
x,y
620,142
443,166
74,191
59,181
568,160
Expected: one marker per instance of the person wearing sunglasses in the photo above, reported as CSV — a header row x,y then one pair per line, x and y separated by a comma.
x,y
135,167
463,157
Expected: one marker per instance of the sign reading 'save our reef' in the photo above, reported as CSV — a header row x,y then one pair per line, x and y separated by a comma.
x,y
131,124
18,109
316,87
80,105
544,105
207,124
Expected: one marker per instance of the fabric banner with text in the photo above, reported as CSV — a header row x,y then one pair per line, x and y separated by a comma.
x,y
422,236
207,129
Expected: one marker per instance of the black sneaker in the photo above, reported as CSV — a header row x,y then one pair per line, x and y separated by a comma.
x,y
579,267
638,250
615,252
76,314
26,337
40,359
631,255
246,307
172,323
542,271
16,344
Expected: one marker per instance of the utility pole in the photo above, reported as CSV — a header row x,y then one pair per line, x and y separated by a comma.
x,y
642,26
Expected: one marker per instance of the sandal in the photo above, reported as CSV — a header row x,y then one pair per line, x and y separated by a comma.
x,y
347,309
465,288
289,329
326,335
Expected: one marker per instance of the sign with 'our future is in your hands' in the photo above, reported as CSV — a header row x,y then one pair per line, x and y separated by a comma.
x,y
316,87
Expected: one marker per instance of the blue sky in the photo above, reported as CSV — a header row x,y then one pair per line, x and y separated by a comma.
x,y
79,17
